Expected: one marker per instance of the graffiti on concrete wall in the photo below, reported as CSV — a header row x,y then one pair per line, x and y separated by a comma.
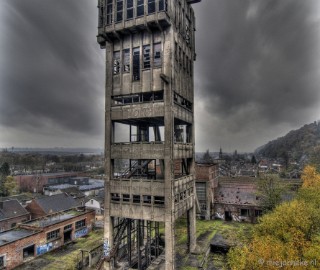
x,y
44,248
106,247
81,233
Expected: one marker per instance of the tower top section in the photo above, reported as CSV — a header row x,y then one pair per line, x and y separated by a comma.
x,y
123,17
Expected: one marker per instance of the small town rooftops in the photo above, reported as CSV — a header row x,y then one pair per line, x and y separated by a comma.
x,y
10,209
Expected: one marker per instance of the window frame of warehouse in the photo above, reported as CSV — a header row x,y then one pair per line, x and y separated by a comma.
x,y
146,56
130,10
55,234
3,261
157,55
116,62
140,8
80,224
136,64
109,12
119,10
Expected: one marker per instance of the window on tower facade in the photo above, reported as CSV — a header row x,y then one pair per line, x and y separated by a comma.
x,y
157,55
151,6
162,5
119,10
140,8
146,56
136,64
116,62
109,12
129,9
126,60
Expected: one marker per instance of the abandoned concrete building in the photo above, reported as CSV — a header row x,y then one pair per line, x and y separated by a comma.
x,y
36,237
150,50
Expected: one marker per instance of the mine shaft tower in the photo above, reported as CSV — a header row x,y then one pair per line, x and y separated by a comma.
x,y
149,128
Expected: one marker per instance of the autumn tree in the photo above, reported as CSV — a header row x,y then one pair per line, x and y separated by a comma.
x,y
286,238
270,190
10,186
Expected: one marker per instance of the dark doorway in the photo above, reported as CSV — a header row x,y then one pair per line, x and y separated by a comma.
x,y
28,252
67,236
227,216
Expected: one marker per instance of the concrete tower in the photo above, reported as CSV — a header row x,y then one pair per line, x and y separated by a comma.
x,y
149,128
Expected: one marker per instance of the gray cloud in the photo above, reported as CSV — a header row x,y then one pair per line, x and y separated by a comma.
x,y
256,69
256,74
52,69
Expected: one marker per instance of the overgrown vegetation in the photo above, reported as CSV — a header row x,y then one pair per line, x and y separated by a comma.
x,y
288,236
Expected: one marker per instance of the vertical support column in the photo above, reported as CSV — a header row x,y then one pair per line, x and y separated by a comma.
x,y
108,222
192,238
169,156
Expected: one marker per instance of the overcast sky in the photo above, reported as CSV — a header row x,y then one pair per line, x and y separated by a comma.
x,y
257,73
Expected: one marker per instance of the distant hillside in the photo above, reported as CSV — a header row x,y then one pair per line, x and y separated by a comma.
x,y
296,143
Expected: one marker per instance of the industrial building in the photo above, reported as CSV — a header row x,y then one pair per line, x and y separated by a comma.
x,y
149,125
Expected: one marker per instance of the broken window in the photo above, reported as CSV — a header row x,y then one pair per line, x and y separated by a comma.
x,y
136,198
109,12
101,14
119,10
53,235
126,60
146,56
2,261
129,9
126,197
115,197
258,213
157,55
116,62
147,199
158,200
140,8
187,31
162,5
151,6
136,64
80,224
245,212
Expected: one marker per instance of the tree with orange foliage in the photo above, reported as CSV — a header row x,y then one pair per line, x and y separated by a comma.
x,y
289,236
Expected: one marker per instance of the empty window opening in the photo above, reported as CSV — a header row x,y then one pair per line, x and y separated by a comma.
x,y
136,64
137,98
151,6
129,9
2,261
245,212
116,62
147,199
258,213
126,197
28,252
126,60
119,10
146,56
115,197
136,199
157,55
140,8
159,200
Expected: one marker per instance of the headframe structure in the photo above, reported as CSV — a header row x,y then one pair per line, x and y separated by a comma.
x,y
149,128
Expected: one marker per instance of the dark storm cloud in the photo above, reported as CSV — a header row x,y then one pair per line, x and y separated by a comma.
x,y
52,69
256,66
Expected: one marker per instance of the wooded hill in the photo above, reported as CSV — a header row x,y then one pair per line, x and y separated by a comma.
x,y
296,144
